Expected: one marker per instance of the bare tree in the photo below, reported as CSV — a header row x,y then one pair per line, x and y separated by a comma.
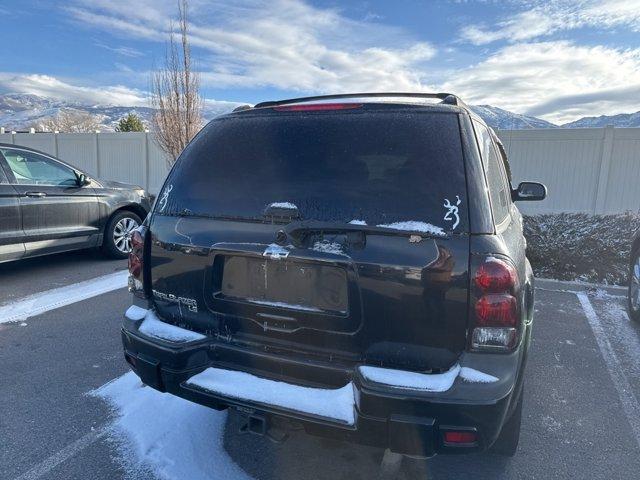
x,y
70,121
175,94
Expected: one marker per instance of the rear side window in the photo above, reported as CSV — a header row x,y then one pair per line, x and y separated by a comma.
x,y
493,165
372,167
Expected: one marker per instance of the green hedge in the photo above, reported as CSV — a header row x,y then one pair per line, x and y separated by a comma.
x,y
592,248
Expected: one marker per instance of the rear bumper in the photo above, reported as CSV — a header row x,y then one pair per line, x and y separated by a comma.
x,y
404,420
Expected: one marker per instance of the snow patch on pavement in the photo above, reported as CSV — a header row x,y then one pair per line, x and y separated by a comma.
x,y
171,437
334,404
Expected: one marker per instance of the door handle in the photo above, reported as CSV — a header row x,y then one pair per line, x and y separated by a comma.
x,y
35,194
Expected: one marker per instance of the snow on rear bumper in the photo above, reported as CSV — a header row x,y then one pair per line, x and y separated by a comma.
x,y
333,405
390,408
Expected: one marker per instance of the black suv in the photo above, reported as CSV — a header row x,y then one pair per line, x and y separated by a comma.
x,y
634,280
48,206
350,264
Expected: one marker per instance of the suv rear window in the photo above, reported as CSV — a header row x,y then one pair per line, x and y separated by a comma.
x,y
371,166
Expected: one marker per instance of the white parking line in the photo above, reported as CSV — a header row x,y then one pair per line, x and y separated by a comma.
x,y
51,462
59,297
621,383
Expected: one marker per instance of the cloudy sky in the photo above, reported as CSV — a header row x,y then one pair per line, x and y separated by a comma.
x,y
558,60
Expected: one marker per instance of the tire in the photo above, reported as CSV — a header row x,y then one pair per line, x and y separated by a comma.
x,y
507,442
114,243
633,295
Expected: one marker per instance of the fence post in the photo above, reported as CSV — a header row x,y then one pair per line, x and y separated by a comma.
x,y
55,143
145,171
605,168
98,169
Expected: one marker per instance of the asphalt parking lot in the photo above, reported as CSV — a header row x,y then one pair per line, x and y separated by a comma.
x,y
70,410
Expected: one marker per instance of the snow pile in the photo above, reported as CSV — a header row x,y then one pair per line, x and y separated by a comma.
x,y
335,404
135,313
326,246
493,259
164,434
591,248
357,222
475,376
154,327
285,205
601,294
439,382
414,226
429,382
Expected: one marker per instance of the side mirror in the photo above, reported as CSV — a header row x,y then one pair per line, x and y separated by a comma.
x,y
529,191
83,180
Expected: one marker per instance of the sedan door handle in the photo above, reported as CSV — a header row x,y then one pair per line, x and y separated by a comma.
x,y
35,194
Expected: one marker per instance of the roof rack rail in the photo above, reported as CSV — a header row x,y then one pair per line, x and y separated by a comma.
x,y
446,98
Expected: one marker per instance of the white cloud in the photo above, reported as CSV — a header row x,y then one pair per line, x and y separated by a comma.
x,y
52,87
124,51
285,44
558,15
558,81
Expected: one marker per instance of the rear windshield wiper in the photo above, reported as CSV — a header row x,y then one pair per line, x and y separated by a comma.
x,y
188,213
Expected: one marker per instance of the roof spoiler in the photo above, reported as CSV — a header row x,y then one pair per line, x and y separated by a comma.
x,y
446,98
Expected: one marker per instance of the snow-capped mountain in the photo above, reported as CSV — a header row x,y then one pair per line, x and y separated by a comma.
x,y
20,111
500,119
621,120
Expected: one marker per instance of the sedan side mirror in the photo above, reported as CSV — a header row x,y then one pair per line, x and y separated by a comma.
x,y
529,191
83,180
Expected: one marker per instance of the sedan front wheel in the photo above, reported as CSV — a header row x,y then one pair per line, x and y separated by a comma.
x,y
116,242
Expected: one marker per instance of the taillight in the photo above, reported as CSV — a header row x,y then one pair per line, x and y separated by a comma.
x,y
497,310
496,306
136,263
495,275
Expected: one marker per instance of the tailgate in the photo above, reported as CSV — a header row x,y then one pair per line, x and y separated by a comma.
x,y
391,300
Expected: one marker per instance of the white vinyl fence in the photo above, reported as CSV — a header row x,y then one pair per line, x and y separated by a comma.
x,y
593,170
125,157
590,170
